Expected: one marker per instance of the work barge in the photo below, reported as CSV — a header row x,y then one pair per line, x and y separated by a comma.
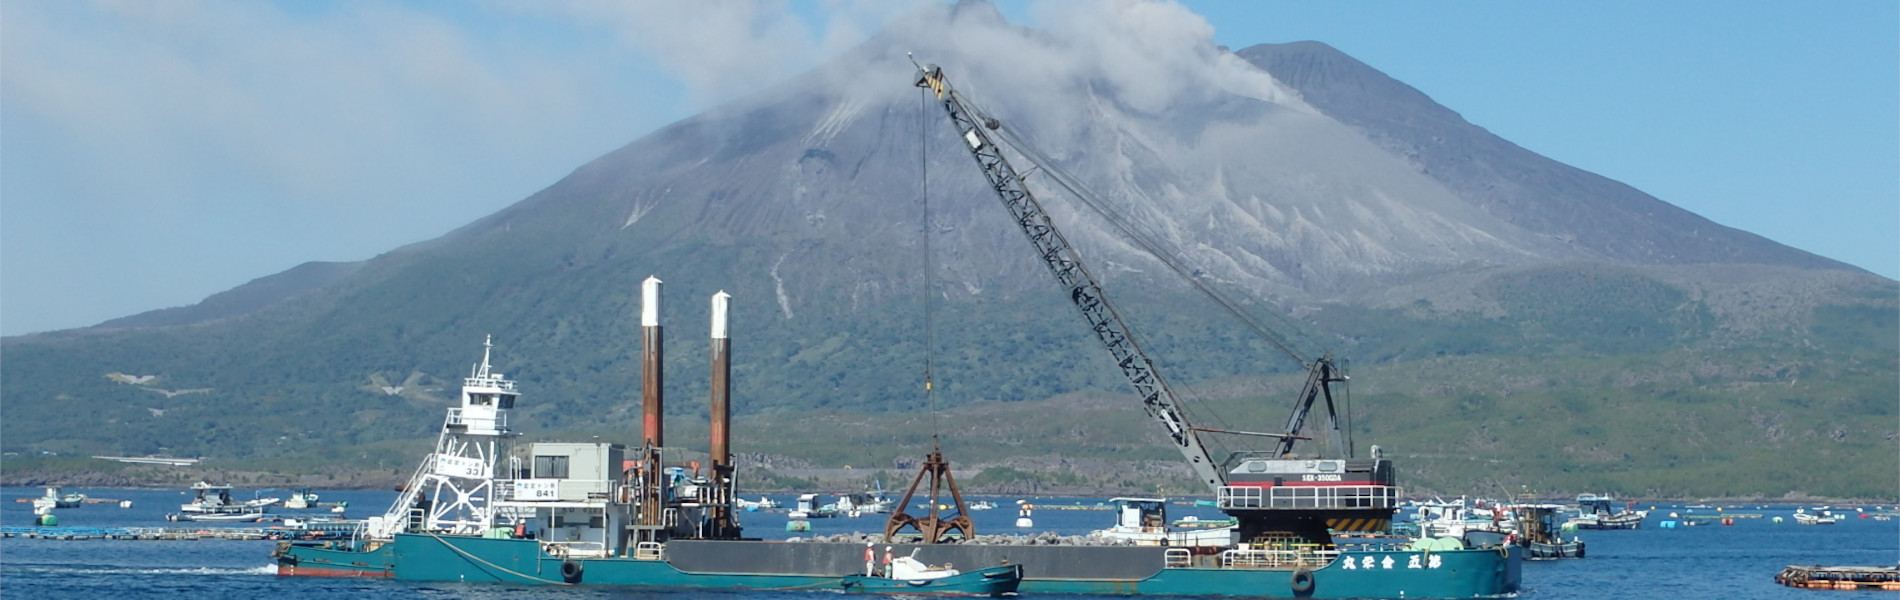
x,y
591,513
483,509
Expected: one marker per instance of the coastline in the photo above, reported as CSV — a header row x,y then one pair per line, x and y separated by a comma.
x,y
152,477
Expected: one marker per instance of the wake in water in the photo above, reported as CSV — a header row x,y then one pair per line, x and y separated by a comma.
x,y
49,569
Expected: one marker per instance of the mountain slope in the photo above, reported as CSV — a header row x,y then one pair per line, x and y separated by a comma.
x,y
1599,216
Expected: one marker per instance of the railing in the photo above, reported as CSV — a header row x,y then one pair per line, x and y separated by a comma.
x,y
1308,497
1262,558
549,490
1177,558
574,549
648,551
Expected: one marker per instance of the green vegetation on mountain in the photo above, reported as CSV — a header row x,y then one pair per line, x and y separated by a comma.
x,y
1656,396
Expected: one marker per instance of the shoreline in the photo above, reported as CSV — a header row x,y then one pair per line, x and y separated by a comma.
x,y
362,482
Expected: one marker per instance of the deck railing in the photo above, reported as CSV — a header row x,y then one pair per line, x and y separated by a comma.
x,y
545,490
1178,558
649,551
1261,558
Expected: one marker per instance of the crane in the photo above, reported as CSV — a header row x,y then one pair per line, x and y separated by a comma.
x,y
1274,495
1157,398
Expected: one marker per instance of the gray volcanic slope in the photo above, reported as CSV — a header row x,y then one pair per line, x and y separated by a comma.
x,y
1598,217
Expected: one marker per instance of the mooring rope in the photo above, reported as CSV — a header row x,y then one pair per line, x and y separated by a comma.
x,y
485,562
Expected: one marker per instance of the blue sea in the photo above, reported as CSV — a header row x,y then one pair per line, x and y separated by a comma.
x,y
1712,562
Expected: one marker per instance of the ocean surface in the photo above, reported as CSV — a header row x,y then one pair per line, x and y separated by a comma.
x,y
1708,562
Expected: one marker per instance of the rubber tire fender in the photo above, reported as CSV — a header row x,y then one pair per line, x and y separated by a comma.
x,y
570,571
1302,582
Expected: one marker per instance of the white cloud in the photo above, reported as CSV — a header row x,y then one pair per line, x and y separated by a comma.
x,y
721,49
191,145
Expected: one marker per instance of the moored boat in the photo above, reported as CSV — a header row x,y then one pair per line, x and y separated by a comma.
x,y
54,499
1537,528
1144,522
1601,512
212,499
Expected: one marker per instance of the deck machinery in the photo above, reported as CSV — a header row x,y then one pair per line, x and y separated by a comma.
x,y
1277,496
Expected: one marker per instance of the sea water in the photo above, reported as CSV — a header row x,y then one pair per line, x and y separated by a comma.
x,y
1705,562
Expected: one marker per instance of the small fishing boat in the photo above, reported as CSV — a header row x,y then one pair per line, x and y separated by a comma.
x,y
1535,527
53,499
301,499
1144,522
216,499
907,575
1600,512
1823,518
762,503
304,499
808,508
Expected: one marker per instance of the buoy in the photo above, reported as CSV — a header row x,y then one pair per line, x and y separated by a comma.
x,y
48,520
1728,520
1777,519
798,525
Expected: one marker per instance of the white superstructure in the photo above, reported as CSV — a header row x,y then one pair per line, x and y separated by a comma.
x,y
452,490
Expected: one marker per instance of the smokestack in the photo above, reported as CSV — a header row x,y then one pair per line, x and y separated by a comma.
x,y
721,380
651,357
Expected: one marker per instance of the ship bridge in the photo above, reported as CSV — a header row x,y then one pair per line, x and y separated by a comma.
x,y
1256,482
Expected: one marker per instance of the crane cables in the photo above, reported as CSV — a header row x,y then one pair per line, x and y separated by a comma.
x,y
1132,232
930,290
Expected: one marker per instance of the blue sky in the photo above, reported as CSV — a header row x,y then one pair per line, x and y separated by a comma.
x,y
154,153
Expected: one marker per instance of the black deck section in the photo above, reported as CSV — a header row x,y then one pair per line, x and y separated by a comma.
x,y
1116,563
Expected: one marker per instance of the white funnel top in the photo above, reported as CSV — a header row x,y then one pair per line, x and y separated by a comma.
x,y
719,302
650,302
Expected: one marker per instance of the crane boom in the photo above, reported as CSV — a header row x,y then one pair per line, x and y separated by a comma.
x,y
1156,397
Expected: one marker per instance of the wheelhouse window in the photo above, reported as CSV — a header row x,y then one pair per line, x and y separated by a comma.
x,y
550,467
